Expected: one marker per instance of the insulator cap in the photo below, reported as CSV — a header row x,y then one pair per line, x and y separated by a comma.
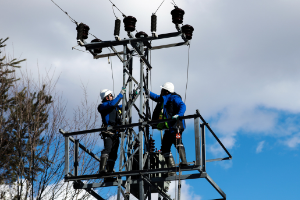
x,y
117,27
139,34
152,145
153,23
82,31
129,23
188,31
177,15
99,50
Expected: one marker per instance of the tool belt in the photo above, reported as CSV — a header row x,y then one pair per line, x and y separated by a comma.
x,y
111,134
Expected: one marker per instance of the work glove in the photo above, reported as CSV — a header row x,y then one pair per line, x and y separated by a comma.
x,y
175,116
147,93
123,91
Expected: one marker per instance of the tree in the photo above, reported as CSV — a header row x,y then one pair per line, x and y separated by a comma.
x,y
7,79
31,115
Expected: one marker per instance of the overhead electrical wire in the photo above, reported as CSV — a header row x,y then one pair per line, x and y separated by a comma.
x,y
117,8
174,3
72,20
187,72
159,7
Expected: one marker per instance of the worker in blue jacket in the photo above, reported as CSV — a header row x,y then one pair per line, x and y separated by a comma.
x,y
170,105
111,116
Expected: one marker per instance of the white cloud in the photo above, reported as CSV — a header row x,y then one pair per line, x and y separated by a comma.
x,y
260,146
293,142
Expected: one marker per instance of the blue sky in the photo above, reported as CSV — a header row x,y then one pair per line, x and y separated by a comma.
x,y
243,77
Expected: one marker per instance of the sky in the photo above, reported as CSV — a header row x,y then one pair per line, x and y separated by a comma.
x,y
244,69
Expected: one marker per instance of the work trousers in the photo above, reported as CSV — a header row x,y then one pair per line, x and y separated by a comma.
x,y
111,145
169,139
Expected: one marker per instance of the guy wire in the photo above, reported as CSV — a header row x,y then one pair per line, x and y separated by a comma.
x,y
117,8
159,6
187,72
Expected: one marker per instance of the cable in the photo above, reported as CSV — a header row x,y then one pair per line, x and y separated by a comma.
x,y
159,6
72,20
79,50
117,8
112,75
112,72
151,85
187,72
174,3
93,35
113,10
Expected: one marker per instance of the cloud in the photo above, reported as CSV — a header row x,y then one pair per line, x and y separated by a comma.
x,y
260,146
293,141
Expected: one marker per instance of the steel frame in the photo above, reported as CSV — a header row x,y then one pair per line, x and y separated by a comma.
x,y
127,133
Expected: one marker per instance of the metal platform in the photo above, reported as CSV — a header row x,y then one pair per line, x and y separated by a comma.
x,y
143,180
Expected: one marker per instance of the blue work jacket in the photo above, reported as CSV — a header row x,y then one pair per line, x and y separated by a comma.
x,y
109,111
171,103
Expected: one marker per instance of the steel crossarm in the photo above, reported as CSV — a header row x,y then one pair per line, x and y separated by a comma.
x,y
103,44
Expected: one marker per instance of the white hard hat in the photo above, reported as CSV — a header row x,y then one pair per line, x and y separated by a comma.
x,y
104,93
168,86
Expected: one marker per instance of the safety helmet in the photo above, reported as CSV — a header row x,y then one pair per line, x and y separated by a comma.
x,y
104,93
168,86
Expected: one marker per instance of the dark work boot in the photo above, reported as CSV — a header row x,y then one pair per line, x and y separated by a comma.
x,y
103,162
170,163
181,151
110,168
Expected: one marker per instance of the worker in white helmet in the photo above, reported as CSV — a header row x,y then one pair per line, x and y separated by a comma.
x,y
110,114
170,105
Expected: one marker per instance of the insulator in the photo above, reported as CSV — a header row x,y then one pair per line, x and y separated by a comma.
x,y
117,27
129,23
153,23
177,15
141,33
99,50
82,31
152,145
188,31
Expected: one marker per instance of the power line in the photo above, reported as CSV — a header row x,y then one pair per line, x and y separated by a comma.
x,y
159,6
117,8
174,3
72,20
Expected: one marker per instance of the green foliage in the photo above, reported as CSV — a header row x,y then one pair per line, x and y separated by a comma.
x,y
24,115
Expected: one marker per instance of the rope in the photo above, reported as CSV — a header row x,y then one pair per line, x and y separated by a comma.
x,y
187,72
112,72
159,6
117,8
72,20
80,50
